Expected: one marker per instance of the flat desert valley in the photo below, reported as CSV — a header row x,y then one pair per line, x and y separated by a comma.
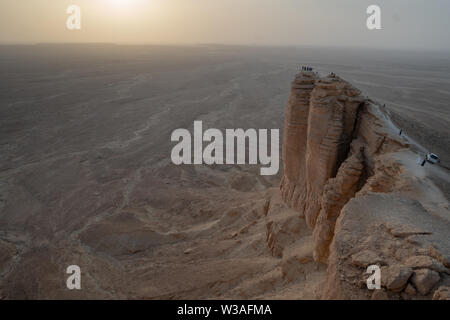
x,y
86,176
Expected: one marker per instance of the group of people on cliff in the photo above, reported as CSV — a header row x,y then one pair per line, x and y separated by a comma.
x,y
305,68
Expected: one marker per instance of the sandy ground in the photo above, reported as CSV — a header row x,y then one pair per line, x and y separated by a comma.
x,y
86,178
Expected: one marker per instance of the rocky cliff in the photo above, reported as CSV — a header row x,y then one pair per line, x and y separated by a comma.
x,y
141,227
355,181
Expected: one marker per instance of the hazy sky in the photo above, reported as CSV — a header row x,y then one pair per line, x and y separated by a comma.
x,y
419,24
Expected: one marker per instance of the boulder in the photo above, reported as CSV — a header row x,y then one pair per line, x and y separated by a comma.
x,y
366,258
442,293
425,262
395,278
424,280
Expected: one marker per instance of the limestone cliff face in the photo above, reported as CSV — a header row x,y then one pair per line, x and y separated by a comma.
x,y
353,179
320,123
294,186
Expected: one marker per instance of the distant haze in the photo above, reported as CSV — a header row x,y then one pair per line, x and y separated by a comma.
x,y
406,24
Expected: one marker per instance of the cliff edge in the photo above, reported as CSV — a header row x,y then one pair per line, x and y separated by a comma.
x,y
353,178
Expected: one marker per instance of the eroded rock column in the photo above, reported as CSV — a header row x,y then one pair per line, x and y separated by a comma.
x,y
293,186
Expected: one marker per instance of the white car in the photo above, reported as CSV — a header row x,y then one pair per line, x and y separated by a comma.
x,y
432,158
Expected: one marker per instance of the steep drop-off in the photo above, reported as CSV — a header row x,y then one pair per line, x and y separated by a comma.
x,y
352,195
354,179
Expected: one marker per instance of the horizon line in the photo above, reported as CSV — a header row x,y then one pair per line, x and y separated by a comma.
x,y
254,45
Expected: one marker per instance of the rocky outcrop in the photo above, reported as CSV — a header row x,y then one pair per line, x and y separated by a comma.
x,y
313,153
294,186
336,193
355,182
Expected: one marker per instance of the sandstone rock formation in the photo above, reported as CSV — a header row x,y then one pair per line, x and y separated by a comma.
x,y
355,182
320,121
352,195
